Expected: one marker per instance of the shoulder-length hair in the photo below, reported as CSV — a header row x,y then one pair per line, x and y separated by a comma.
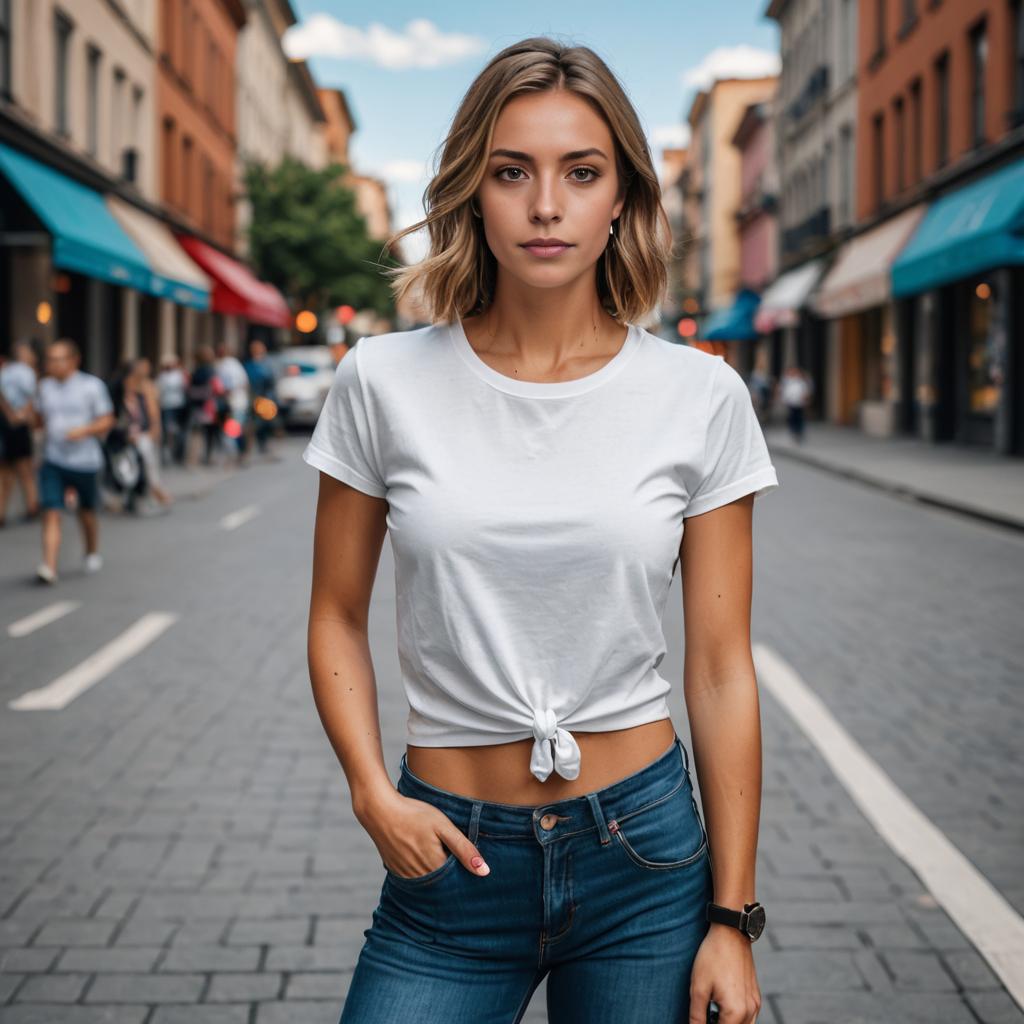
x,y
458,275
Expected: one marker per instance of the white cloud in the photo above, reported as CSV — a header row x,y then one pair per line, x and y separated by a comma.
x,y
732,62
671,136
419,45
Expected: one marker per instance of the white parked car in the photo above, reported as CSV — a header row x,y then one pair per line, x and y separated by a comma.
x,y
304,376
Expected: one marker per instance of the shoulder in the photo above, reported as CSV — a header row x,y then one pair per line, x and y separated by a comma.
x,y
679,364
396,356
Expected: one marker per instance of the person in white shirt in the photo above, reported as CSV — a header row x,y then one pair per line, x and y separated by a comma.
x,y
75,410
172,384
17,390
542,464
795,392
236,380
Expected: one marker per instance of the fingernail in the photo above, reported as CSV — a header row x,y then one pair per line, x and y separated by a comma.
x,y
477,861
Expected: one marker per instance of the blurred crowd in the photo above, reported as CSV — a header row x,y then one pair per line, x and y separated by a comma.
x,y
70,439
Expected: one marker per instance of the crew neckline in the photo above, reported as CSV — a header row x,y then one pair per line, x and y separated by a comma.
x,y
537,388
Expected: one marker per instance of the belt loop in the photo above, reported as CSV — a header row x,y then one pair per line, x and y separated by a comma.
x,y
686,756
474,820
602,827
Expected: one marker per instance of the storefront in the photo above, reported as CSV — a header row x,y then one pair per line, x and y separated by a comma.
x,y
243,306
864,385
73,270
792,334
961,279
731,332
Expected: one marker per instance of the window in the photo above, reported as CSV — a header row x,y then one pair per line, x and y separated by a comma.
x,y
170,142
979,65
845,173
5,48
878,154
62,55
909,16
880,17
117,117
916,132
186,173
132,168
899,123
942,110
92,101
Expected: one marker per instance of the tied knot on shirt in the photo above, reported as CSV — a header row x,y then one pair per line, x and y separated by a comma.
x,y
553,748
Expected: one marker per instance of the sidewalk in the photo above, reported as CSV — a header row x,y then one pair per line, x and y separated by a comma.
x,y
975,482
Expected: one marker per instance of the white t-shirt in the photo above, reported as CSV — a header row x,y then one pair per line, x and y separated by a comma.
x,y
73,402
236,381
17,383
536,526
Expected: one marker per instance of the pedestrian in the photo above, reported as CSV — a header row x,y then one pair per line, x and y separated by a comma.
x,y
235,380
18,383
75,410
262,389
172,383
208,402
761,389
141,405
795,393
536,453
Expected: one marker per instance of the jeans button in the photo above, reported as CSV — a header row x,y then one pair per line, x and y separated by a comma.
x,y
548,821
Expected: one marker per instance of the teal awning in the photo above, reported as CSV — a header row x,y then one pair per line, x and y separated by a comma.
x,y
86,238
976,228
734,322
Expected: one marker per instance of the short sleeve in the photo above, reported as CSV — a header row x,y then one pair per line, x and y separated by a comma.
x,y
101,403
342,442
736,458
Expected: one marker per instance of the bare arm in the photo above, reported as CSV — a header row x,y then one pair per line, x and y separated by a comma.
x,y
347,541
725,725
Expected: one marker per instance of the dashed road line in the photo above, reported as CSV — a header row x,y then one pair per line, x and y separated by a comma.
x,y
43,617
235,519
975,906
73,683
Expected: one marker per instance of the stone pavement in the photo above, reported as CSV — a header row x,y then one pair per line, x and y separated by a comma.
x,y
974,481
177,845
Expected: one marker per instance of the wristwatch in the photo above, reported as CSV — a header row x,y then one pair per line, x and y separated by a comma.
x,y
750,920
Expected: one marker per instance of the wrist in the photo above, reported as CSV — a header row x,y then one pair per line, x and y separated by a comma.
x,y
369,800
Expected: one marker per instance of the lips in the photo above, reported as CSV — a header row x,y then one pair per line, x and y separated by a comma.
x,y
547,248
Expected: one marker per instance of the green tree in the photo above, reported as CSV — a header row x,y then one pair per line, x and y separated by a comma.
x,y
307,237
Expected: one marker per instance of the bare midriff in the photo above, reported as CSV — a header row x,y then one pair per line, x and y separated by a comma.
x,y
500,772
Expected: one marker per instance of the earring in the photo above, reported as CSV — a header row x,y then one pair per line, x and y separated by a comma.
x,y
473,208
611,228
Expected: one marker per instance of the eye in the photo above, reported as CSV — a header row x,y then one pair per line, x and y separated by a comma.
x,y
501,171
587,170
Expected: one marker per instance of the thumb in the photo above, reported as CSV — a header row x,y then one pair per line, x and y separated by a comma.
x,y
467,853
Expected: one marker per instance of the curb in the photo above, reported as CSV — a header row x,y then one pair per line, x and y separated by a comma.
x,y
900,490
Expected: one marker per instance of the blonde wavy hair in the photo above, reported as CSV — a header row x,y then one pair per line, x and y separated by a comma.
x,y
458,275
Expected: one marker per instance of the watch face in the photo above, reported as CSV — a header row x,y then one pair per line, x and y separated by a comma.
x,y
755,922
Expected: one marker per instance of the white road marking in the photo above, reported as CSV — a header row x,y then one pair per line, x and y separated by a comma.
x,y
976,907
235,519
43,617
64,689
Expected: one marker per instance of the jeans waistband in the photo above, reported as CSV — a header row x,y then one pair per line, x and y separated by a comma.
x,y
570,816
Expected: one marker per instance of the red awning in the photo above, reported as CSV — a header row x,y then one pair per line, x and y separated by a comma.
x,y
236,290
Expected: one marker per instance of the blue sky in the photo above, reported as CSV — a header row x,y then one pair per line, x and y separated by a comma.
x,y
405,67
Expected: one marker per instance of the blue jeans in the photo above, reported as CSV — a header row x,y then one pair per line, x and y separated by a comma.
x,y
603,893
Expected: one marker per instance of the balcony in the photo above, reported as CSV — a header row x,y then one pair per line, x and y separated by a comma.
x,y
816,226
814,89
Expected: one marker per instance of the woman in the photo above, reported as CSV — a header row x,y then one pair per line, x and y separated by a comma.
x,y
535,454
208,401
17,393
172,383
142,410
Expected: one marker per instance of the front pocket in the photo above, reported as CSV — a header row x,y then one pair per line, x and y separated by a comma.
x,y
668,835
430,876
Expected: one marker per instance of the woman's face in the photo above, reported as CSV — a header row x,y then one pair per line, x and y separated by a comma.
x,y
536,189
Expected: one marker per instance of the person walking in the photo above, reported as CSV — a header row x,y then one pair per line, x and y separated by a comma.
x,y
208,401
142,413
172,384
236,381
75,410
18,383
262,391
543,464
795,393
